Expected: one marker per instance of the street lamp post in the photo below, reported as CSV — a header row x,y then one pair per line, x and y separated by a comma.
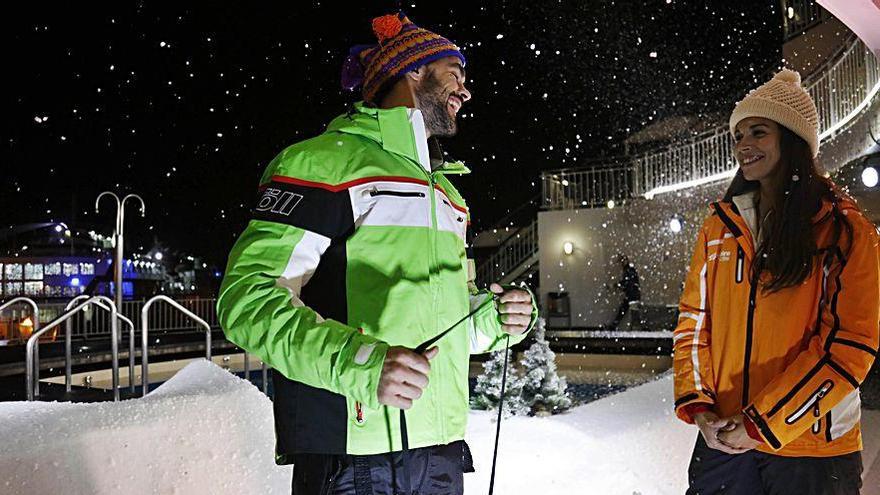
x,y
118,237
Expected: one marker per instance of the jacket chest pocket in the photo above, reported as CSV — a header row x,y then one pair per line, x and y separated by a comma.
x,y
394,205
397,194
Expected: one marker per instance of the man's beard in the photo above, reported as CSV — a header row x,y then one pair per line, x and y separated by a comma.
x,y
433,104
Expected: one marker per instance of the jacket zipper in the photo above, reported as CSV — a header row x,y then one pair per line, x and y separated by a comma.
x,y
811,404
402,194
750,328
434,263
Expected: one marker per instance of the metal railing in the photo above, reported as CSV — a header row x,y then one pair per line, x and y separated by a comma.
x,y
163,318
842,89
145,327
263,368
516,250
32,371
79,320
800,15
68,330
587,187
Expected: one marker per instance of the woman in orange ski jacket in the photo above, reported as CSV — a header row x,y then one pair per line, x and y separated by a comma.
x,y
780,316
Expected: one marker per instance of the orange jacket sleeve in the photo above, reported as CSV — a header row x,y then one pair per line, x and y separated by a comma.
x,y
839,356
691,358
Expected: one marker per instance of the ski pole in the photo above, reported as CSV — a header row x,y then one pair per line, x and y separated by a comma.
x,y
404,437
420,349
498,423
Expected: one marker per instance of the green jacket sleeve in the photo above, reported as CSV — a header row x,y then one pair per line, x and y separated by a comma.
x,y
487,334
259,305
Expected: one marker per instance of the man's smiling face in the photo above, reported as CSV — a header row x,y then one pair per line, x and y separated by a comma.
x,y
441,94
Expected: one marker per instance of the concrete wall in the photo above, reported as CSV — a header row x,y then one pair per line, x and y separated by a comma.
x,y
639,229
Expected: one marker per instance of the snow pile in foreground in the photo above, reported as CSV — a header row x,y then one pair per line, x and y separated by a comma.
x,y
203,431
206,431
626,444
629,443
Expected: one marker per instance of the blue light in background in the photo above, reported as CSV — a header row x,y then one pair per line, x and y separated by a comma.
x,y
74,282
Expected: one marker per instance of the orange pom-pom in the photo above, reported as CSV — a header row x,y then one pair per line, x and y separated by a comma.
x,y
386,26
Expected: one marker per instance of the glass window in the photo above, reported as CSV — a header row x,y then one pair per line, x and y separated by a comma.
x,y
87,268
13,271
13,288
33,271
33,288
71,269
52,269
53,290
72,291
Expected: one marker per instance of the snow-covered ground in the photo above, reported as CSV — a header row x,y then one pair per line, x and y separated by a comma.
x,y
629,443
626,444
206,431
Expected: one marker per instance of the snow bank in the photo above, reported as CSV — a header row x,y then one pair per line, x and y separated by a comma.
x,y
629,443
626,444
203,431
206,431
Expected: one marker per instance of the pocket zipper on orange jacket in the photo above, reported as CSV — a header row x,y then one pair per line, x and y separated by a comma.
x,y
811,404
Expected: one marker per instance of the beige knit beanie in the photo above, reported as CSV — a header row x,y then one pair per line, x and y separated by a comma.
x,y
784,101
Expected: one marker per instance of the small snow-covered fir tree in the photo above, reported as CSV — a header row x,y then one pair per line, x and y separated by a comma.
x,y
488,389
543,390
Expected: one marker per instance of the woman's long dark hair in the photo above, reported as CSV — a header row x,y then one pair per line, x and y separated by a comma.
x,y
788,239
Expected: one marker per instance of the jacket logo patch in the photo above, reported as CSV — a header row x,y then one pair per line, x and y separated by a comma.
x,y
278,201
722,256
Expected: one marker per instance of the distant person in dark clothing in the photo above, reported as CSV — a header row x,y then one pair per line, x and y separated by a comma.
x,y
632,294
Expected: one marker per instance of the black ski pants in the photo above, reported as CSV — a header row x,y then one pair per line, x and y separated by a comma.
x,y
436,470
713,472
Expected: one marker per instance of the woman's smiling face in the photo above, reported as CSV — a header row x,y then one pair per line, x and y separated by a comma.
x,y
757,147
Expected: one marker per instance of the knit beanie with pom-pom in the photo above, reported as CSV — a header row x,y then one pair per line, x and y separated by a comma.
x,y
402,47
784,101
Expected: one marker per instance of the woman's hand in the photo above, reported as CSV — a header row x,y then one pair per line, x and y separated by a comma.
x,y
737,437
711,427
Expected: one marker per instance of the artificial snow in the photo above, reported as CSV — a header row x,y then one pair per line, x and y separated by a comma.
x,y
206,431
203,431
626,444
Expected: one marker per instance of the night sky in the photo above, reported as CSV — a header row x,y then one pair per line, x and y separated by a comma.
x,y
186,105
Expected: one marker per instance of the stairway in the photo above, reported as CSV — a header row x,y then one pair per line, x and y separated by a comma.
x,y
514,260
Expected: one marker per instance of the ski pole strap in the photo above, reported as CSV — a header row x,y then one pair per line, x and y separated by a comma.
x,y
433,340
404,437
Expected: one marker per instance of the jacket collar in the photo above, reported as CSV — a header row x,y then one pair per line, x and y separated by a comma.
x,y
399,130
747,208
734,216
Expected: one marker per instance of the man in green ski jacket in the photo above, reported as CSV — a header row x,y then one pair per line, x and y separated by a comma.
x,y
355,255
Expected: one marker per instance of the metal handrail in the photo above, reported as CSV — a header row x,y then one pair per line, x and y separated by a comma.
x,y
145,325
33,375
518,248
33,305
68,329
263,367
842,89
